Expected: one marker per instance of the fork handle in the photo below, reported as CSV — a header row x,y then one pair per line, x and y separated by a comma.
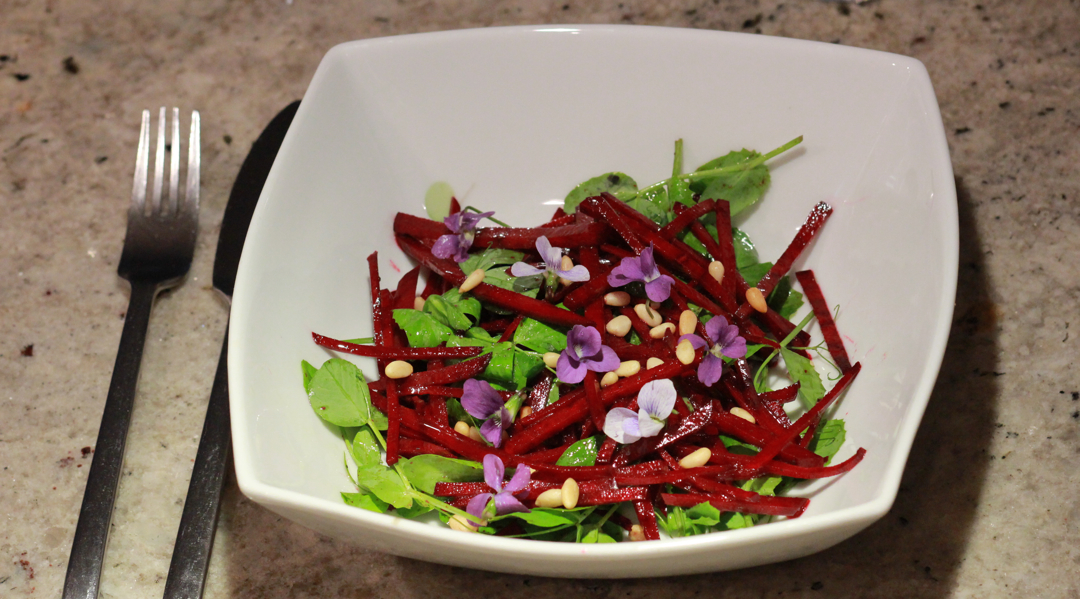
x,y
92,531
195,538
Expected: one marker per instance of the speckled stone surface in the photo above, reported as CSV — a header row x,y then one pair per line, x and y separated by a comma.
x,y
988,506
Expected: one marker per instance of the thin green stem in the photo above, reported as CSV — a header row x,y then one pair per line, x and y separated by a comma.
x,y
478,211
698,175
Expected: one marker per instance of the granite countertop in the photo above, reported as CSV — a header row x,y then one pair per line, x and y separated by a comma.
x,y
988,506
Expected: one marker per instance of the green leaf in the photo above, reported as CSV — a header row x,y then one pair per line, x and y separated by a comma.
x,y
764,485
801,371
490,258
366,501
703,514
733,520
385,483
746,253
545,517
364,448
741,188
595,536
421,328
736,446
539,337
753,273
455,412
581,453
309,371
418,509
784,299
339,394
453,309
423,471
830,435
652,206
619,185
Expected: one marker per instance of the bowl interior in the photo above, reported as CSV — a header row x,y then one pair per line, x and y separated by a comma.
x,y
513,119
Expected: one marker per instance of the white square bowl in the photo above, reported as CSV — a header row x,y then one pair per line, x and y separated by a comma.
x,y
513,118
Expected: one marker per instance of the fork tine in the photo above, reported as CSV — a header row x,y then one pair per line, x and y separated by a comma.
x,y
142,160
191,194
159,164
174,162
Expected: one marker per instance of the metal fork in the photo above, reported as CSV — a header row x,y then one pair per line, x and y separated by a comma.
x,y
158,247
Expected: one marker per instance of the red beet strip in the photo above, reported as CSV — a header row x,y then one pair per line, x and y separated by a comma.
x,y
565,236
592,399
405,295
646,516
393,417
730,504
396,353
448,374
685,217
824,317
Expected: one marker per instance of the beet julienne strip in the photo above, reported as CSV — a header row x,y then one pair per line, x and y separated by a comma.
x,y
686,427
807,231
592,399
728,504
413,447
824,317
537,309
396,353
571,235
737,428
393,415
555,473
647,519
448,374
405,295
685,217
538,396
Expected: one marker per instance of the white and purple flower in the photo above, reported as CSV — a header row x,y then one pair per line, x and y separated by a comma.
x,y
462,227
505,501
656,400
642,269
725,341
553,269
482,401
584,352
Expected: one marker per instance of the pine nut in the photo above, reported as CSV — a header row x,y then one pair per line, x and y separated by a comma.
x,y
648,315
570,493
716,270
475,278
700,457
566,263
617,299
524,411
756,300
474,434
551,359
398,369
653,363
609,379
550,498
741,413
460,523
462,428
628,368
658,332
619,326
637,533
684,351
687,322
418,303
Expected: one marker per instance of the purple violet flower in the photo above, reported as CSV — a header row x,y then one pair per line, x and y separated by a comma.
x,y
584,352
505,502
656,400
462,227
482,401
725,342
642,269
552,265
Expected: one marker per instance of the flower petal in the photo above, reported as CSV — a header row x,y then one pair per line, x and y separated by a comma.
x,y
583,341
736,348
519,481
492,429
522,269
695,341
647,264
479,399
649,426
453,222
494,471
628,271
506,503
710,370
446,246
715,328
657,398
577,274
605,360
621,424
552,257
568,369
659,289
469,220
476,506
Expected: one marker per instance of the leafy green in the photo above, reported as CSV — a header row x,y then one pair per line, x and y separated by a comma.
x,y
423,471
385,483
510,366
784,299
491,258
309,371
830,435
367,501
595,536
545,517
746,253
339,395
422,329
802,371
741,188
453,309
619,185
539,337
753,273
364,448
581,453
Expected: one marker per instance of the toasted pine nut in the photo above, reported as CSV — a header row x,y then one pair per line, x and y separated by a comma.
x,y
716,270
551,359
550,498
619,326
566,263
461,524
617,299
648,315
684,351
628,368
653,363
609,379
418,303
475,278
398,369
756,300
570,493
687,322
741,413
525,411
474,434
700,457
462,428
637,533
658,332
